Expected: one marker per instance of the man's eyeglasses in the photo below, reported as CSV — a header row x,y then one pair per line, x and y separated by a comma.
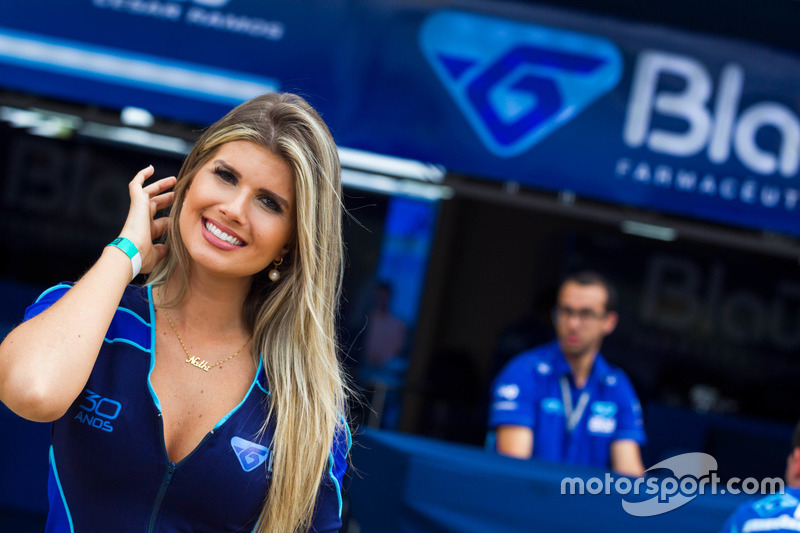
x,y
584,315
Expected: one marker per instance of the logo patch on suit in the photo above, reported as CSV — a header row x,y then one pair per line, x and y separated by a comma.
x,y
516,82
250,454
97,411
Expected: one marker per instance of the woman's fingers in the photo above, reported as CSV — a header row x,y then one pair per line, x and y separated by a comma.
x,y
141,225
142,175
159,227
157,187
158,251
161,201
145,173
161,251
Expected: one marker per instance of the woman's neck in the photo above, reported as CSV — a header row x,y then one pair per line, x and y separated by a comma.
x,y
211,305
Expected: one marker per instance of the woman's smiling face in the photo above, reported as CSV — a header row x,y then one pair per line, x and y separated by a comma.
x,y
238,214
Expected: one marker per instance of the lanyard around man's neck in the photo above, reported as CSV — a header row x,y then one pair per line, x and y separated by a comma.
x,y
573,416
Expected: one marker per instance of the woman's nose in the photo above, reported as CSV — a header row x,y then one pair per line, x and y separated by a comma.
x,y
235,207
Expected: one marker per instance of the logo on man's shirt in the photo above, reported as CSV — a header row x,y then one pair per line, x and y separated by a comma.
x,y
602,420
509,392
607,409
772,505
251,455
98,412
552,406
602,425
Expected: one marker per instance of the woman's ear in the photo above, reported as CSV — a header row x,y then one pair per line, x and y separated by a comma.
x,y
281,255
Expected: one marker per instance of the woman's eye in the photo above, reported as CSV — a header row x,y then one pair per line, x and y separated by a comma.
x,y
225,175
271,204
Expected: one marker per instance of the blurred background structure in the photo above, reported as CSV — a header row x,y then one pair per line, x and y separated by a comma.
x,y
489,148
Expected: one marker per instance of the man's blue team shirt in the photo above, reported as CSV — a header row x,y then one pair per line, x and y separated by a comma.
x,y
778,513
528,392
109,470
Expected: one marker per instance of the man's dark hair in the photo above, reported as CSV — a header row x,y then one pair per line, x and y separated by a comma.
x,y
796,437
590,277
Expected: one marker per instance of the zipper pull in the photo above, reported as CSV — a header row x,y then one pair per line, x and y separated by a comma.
x,y
170,471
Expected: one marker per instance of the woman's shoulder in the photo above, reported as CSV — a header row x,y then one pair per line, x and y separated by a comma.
x,y
135,299
47,298
135,308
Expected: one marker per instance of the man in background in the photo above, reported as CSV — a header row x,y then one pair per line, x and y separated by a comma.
x,y
562,401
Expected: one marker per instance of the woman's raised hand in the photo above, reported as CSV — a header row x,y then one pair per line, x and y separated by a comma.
x,y
47,360
141,226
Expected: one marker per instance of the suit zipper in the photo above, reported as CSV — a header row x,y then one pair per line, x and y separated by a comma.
x,y
161,491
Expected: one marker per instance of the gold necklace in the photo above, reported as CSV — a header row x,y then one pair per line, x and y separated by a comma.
x,y
193,359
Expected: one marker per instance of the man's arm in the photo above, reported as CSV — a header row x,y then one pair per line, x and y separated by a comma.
x,y
626,458
515,441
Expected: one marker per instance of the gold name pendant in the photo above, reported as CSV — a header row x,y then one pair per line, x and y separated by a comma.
x,y
199,363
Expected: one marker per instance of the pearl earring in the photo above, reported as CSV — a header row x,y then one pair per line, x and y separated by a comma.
x,y
274,275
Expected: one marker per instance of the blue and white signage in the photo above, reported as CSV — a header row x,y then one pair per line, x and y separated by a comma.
x,y
188,60
677,123
517,82
719,154
624,113
117,66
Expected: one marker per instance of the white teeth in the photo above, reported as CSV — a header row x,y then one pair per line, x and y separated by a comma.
x,y
222,235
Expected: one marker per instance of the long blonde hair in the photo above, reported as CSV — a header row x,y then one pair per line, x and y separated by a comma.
x,y
292,320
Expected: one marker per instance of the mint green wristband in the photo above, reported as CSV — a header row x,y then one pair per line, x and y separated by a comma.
x,y
127,246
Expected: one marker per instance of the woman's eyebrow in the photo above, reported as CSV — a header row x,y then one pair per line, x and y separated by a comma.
x,y
278,198
227,166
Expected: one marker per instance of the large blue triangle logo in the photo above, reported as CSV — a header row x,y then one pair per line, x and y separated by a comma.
x,y
250,454
516,82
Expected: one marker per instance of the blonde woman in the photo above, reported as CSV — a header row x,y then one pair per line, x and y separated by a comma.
x,y
210,399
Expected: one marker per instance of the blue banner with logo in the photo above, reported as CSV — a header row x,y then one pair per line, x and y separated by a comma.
x,y
630,114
